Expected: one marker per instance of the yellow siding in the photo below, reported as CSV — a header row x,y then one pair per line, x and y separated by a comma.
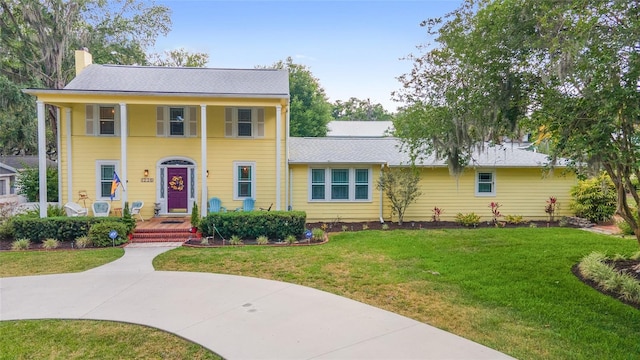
x,y
520,192
145,150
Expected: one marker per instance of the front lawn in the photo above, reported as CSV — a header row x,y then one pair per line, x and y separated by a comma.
x,y
23,263
88,339
509,289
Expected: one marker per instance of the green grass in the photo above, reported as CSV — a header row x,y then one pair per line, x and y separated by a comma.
x,y
510,289
84,339
23,263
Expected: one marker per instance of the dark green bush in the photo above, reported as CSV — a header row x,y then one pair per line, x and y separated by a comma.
x,y
60,228
275,225
127,219
624,226
99,233
6,230
594,199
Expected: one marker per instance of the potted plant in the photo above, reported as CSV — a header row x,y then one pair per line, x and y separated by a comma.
x,y
195,218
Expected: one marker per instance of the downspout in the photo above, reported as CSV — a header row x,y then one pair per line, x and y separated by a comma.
x,y
42,159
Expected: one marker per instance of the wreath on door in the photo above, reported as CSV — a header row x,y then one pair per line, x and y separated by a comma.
x,y
176,183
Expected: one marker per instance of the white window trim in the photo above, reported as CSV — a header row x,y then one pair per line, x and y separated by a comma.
x,y
95,119
252,165
327,184
257,125
99,163
493,183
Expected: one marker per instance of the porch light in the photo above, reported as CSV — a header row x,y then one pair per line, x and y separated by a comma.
x,y
207,173
146,172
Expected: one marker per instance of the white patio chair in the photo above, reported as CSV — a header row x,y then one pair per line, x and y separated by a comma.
x,y
74,209
101,208
136,206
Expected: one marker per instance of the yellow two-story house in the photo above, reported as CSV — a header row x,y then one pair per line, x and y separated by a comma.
x,y
181,136
174,136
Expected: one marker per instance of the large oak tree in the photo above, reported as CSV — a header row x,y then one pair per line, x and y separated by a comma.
x,y
571,68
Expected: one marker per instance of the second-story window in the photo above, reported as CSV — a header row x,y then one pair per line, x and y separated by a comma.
x,y
176,121
244,122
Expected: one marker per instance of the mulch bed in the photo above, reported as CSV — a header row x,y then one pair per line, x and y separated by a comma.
x,y
624,266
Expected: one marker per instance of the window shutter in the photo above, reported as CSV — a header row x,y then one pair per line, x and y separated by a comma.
x,y
160,128
260,123
116,120
192,120
89,120
228,122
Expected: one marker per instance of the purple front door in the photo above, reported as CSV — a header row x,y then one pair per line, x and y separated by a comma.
x,y
177,199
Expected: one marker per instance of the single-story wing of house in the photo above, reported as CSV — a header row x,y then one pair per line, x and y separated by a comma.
x,y
175,137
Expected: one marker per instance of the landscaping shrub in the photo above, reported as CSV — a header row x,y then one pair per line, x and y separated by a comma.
x,y
262,240
127,219
514,219
50,244
235,240
99,233
6,230
252,224
22,244
82,242
467,220
61,228
624,226
594,199
317,234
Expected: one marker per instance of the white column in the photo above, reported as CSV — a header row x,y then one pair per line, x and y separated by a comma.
x,y
123,151
69,167
287,197
278,154
203,160
58,156
42,159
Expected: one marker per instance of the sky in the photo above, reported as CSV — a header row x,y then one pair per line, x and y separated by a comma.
x,y
354,48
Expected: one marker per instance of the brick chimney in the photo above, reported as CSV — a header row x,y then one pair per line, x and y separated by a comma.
x,y
83,59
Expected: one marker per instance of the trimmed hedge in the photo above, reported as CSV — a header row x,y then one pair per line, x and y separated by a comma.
x,y
275,225
62,228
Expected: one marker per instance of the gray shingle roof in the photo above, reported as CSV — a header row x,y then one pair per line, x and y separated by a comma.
x,y
151,79
387,151
20,162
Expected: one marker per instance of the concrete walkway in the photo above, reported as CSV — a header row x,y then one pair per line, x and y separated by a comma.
x,y
234,316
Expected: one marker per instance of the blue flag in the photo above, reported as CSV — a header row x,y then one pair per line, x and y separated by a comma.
x,y
114,184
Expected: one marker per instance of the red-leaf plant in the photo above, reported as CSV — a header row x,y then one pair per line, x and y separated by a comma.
x,y
551,207
436,213
494,210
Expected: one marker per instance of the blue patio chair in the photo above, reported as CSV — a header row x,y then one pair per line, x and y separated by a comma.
x,y
215,205
247,205
101,208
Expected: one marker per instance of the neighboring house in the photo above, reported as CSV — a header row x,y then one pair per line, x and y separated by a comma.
x,y
338,128
179,136
335,178
10,168
8,184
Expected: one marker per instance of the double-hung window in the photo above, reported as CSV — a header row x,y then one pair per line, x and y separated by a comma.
x,y
340,184
244,122
102,120
244,180
485,183
104,176
176,121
